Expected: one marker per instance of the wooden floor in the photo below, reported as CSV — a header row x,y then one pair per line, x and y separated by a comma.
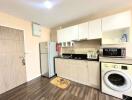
x,y
41,89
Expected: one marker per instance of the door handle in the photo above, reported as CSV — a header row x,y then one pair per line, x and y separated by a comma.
x,y
23,60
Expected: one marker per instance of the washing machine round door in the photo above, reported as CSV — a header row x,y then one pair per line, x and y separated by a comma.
x,y
117,81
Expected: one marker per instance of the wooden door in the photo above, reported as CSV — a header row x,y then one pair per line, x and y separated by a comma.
x,y
12,64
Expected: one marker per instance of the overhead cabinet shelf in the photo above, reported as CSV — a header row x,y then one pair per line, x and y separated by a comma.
x,y
83,31
117,21
119,36
114,26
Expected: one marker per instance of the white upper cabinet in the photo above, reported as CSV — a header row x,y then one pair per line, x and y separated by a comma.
x,y
70,33
117,21
59,36
95,30
66,34
74,33
83,31
98,28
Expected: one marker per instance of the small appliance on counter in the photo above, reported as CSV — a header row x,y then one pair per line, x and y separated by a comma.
x,y
47,54
113,52
93,55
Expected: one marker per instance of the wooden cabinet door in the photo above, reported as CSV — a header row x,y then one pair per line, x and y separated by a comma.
x,y
95,30
94,74
117,21
82,72
59,67
73,70
83,31
79,71
62,68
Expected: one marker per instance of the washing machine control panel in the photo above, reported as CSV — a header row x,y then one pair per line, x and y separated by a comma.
x,y
117,66
111,65
124,67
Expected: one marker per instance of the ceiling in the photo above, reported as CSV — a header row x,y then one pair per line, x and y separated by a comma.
x,y
62,12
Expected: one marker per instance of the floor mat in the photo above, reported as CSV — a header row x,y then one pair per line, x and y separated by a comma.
x,y
60,82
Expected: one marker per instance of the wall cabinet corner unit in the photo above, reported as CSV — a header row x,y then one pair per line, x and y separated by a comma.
x,y
83,31
95,29
79,71
117,21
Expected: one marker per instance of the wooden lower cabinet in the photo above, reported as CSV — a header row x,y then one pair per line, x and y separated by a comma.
x,y
81,71
62,68
94,74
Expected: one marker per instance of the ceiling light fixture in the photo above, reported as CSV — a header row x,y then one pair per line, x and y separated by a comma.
x,y
48,4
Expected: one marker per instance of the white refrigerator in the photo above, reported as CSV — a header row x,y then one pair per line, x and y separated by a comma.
x,y
47,54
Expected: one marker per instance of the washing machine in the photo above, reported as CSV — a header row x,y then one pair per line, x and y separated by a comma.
x,y
116,79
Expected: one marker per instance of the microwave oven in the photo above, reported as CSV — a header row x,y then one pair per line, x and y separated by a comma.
x,y
113,52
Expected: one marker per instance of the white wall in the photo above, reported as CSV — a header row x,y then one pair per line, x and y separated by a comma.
x,y
31,43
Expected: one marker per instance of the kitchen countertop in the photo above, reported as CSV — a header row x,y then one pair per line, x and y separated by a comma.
x,y
77,59
126,60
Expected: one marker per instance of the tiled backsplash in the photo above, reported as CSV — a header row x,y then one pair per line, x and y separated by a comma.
x,y
82,47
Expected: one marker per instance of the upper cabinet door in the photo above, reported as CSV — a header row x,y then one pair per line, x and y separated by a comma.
x,y
59,36
74,33
117,21
83,31
70,33
95,30
66,34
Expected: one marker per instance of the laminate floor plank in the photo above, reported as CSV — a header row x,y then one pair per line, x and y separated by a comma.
x,y
41,89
